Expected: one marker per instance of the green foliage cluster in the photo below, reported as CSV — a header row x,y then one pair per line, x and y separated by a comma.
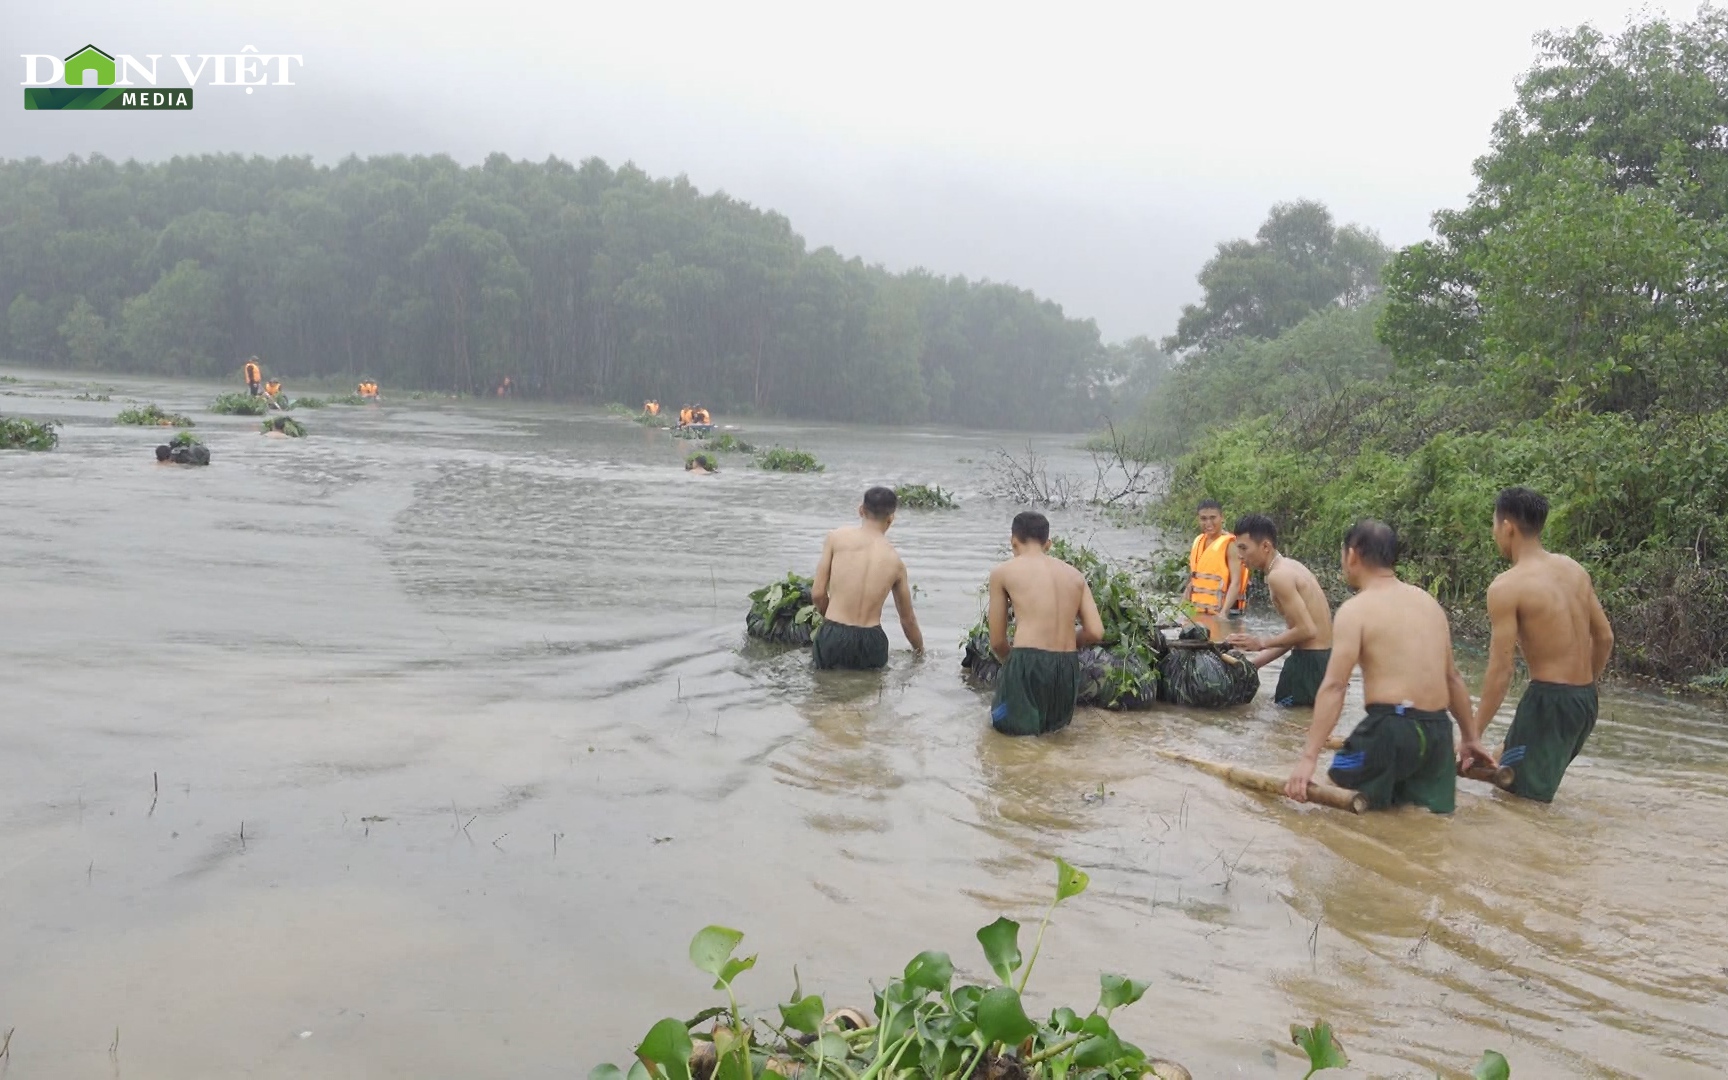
x,y
1323,1051
152,415
308,403
1566,330
925,497
659,420
729,443
791,596
576,280
703,458
287,425
17,433
926,1026
240,405
185,438
613,408
349,399
780,459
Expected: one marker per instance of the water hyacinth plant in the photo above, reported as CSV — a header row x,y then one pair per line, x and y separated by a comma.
x,y
239,405
152,415
17,433
780,459
287,425
185,438
729,443
784,611
702,459
925,497
925,1026
308,403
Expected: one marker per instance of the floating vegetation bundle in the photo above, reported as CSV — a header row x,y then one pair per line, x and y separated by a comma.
x,y
690,432
784,612
308,403
925,497
287,425
240,405
729,443
184,449
349,399
613,408
152,416
701,459
659,420
780,459
185,438
1205,674
926,1026
88,396
17,433
1124,670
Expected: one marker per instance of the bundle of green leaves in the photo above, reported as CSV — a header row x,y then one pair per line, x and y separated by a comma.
x,y
351,399
17,433
729,443
308,403
287,425
704,459
780,459
185,438
239,405
152,415
784,611
925,497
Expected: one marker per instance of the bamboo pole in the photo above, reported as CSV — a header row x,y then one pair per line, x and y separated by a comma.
x,y
1319,791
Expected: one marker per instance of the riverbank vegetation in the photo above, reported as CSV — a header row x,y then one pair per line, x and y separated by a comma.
x,y
1567,329
151,415
17,433
576,281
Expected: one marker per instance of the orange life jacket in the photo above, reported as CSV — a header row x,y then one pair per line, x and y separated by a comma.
x,y
652,408
252,372
272,388
701,416
684,415
1209,572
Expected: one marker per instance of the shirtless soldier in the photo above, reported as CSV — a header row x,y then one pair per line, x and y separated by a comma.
x,y
1401,752
1544,607
1307,643
1041,672
859,568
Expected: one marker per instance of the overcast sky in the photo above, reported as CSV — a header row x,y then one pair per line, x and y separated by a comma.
x,y
1093,152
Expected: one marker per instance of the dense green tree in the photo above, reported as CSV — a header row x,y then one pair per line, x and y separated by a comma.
x,y
574,280
1297,263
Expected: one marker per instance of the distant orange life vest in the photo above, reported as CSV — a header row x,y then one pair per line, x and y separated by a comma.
x,y
684,415
1209,571
701,416
252,373
272,388
652,408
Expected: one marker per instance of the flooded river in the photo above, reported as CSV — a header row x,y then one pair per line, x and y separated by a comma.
x,y
420,748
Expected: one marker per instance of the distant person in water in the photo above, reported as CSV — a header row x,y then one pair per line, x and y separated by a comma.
x,y
1306,643
1040,677
254,377
164,455
1401,752
701,464
1546,608
858,571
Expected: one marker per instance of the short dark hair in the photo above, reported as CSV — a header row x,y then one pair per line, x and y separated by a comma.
x,y
162,452
1257,527
1209,504
880,501
1523,508
1031,525
1374,542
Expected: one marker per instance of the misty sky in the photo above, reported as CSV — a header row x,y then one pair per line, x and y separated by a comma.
x,y
1092,152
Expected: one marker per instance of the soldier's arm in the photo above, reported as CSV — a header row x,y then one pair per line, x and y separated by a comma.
x,y
1329,700
824,568
1502,650
903,605
1601,633
998,615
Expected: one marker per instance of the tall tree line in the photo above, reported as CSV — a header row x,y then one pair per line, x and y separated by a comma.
x,y
576,281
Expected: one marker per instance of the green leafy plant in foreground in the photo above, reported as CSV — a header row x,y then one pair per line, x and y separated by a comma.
x,y
152,415
925,497
17,433
780,459
240,405
730,444
925,1025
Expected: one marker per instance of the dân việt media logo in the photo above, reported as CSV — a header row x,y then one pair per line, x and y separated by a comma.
x,y
92,78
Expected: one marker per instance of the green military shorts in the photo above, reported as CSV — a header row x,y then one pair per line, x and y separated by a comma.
x,y
1400,755
1547,732
1035,692
854,648
1300,678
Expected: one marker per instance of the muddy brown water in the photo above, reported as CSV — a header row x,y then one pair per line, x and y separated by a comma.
x,y
472,680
